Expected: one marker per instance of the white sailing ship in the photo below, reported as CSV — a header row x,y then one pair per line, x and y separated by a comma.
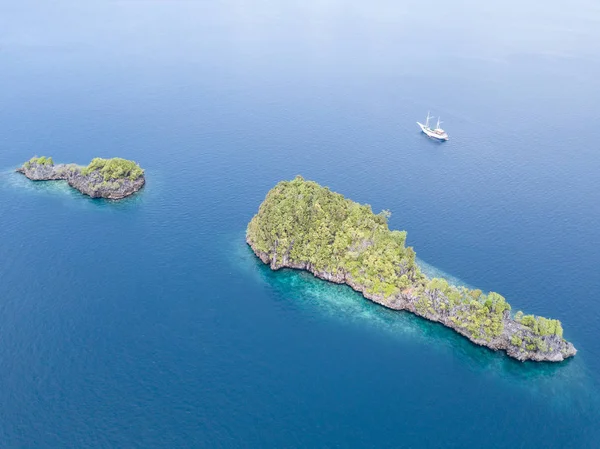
x,y
436,133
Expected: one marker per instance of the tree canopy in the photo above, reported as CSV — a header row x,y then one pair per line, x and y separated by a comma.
x,y
303,222
42,160
115,168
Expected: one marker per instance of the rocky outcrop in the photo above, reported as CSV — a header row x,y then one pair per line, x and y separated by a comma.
x,y
305,226
517,340
92,184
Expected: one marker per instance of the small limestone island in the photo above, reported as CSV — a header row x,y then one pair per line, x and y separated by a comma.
x,y
305,226
114,178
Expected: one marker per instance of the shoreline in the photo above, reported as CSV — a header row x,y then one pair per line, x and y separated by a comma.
x,y
406,302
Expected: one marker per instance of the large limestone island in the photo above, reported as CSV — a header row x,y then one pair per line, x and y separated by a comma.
x,y
305,226
103,178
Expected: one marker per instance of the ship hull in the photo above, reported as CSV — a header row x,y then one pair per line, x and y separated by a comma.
x,y
431,134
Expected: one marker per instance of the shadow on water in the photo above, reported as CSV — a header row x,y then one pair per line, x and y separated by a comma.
x,y
564,383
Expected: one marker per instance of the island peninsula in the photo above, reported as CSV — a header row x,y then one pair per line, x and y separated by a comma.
x,y
114,178
305,226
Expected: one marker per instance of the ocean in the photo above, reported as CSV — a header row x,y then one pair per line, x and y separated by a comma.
x,y
150,323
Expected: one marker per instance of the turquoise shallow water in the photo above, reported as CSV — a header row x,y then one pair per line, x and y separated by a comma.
x,y
149,322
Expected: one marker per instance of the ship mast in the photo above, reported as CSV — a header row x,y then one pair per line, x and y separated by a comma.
x,y
427,121
438,124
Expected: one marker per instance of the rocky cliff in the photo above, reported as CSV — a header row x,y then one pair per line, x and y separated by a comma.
x,y
94,180
304,226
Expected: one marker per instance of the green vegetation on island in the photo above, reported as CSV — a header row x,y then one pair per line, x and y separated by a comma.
x,y
113,178
115,168
301,224
540,325
42,160
312,224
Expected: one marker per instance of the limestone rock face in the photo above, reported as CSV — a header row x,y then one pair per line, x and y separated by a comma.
x,y
42,172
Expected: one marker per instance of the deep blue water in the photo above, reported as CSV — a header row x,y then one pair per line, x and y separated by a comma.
x,y
149,323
